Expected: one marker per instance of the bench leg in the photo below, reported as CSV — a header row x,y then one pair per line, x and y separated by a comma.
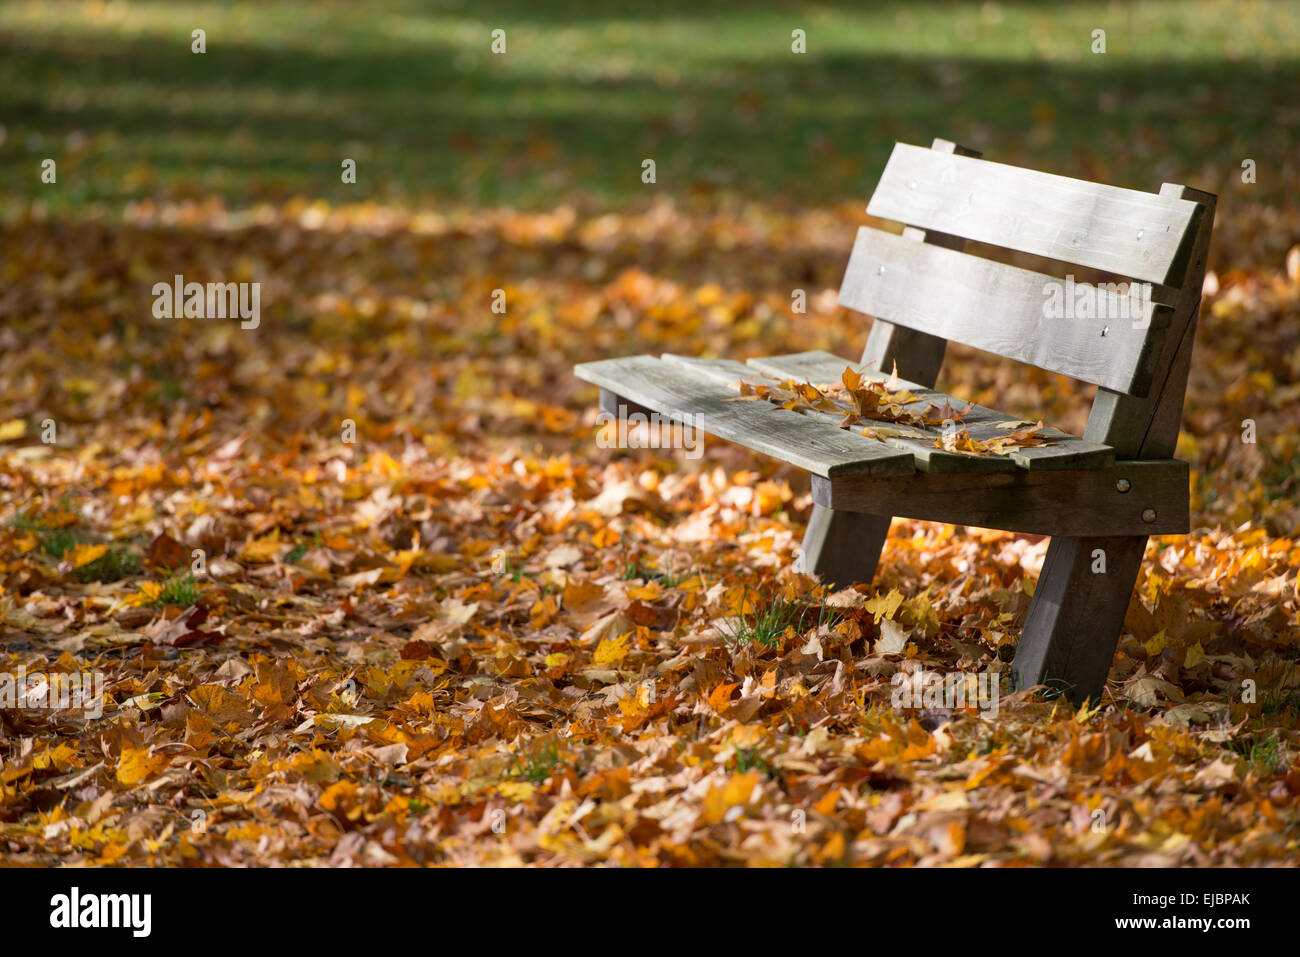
x,y
842,547
1077,614
614,404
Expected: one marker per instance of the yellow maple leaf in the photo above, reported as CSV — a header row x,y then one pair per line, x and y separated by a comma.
x,y
898,742
737,791
885,606
404,560
637,703
146,595
219,704
339,796
261,549
381,463
437,562
921,611
516,790
137,764
611,650
85,554
60,758
543,612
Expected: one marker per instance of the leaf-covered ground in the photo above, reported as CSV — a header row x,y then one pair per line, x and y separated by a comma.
x,y
472,636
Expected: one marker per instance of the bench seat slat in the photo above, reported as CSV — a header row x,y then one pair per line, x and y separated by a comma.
x,y
928,458
676,392
1001,309
1118,230
983,423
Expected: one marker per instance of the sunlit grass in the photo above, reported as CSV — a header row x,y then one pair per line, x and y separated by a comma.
x,y
714,94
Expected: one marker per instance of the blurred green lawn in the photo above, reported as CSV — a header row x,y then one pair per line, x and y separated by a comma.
x,y
586,91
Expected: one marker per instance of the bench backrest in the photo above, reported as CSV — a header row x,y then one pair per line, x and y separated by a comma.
x,y
1046,316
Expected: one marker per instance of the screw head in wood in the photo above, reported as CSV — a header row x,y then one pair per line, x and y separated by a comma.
x,y
1123,485
1148,515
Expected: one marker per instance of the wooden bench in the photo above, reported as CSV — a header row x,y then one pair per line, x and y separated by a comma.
x,y
947,277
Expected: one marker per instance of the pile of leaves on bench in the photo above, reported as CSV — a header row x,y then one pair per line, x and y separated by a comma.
x,y
859,399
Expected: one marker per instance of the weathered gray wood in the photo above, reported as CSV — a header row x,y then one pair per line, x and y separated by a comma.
x,y
1002,309
724,371
680,395
1123,231
842,547
920,353
1130,423
614,404
927,457
846,546
1084,502
888,344
983,423
1076,615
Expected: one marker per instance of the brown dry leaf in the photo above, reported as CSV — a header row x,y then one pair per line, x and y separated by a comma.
x,y
167,553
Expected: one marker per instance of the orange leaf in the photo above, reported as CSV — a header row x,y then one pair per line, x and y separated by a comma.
x,y
720,697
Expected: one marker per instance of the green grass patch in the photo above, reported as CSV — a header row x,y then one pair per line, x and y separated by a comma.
x,y
537,766
776,618
749,759
117,563
120,561
648,570
27,523
1264,752
412,91
1280,693
182,591
58,542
